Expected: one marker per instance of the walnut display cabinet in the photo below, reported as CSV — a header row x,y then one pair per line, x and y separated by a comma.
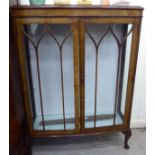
x,y
77,67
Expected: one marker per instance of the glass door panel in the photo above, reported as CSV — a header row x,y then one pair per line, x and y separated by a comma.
x,y
50,63
107,53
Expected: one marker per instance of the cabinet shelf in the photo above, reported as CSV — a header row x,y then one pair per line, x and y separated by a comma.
x,y
55,122
104,122
55,126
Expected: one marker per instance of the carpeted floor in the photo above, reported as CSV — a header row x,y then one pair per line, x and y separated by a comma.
x,y
96,145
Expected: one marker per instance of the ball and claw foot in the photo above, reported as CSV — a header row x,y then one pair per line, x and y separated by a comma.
x,y
127,134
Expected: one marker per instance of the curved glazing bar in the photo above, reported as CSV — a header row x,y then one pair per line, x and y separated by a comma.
x,y
39,38
107,99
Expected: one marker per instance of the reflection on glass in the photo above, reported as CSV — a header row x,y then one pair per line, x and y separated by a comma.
x,y
52,83
105,54
126,69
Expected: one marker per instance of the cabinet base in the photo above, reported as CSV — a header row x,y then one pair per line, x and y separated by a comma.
x,y
46,140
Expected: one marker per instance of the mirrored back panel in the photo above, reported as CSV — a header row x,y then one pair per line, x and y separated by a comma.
x,y
107,55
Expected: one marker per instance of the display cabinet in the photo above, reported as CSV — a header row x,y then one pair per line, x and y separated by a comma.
x,y
77,67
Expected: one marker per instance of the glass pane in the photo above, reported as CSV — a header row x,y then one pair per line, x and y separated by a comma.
x,y
126,69
52,86
105,52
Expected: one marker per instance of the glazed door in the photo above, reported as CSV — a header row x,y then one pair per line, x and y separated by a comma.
x,y
49,63
105,54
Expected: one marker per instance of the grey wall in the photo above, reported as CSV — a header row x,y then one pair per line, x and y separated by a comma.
x,y
12,2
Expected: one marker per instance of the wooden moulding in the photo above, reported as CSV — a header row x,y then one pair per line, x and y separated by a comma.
x,y
76,11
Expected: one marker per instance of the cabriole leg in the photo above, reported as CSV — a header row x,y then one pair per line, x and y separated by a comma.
x,y
127,134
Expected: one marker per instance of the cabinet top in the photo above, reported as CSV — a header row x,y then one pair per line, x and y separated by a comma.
x,y
76,11
78,6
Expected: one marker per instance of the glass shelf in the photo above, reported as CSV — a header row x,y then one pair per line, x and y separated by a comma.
x,y
54,122
103,122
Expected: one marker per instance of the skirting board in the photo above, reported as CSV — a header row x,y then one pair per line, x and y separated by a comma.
x,y
138,123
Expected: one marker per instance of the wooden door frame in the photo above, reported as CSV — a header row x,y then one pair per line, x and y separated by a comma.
x,y
131,73
17,26
78,33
